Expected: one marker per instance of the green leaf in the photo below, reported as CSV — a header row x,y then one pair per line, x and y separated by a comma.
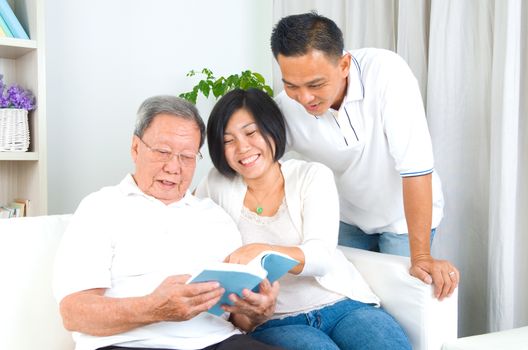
x,y
204,87
260,78
219,87
193,96
208,73
233,81
245,82
189,96
268,90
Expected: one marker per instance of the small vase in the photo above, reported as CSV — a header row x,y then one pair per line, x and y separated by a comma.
x,y
14,130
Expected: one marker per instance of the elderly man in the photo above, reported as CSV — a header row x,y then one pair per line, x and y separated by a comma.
x,y
122,267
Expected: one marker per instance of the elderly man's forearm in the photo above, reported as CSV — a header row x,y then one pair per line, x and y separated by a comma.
x,y
98,315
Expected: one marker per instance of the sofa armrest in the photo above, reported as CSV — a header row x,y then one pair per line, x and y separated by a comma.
x,y
29,315
427,322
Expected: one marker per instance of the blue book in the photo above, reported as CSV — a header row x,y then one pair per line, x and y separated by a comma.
x,y
5,28
236,277
12,22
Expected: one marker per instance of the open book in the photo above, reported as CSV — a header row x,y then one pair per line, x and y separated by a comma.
x,y
235,277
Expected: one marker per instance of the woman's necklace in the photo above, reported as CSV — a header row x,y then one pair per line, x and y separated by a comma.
x,y
259,209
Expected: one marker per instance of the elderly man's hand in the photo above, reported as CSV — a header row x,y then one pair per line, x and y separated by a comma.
x,y
174,300
441,273
253,309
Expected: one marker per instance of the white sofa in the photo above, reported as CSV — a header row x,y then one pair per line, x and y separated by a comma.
x,y
511,339
29,317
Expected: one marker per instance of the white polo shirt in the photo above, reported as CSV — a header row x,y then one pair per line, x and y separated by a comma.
x,y
378,136
128,242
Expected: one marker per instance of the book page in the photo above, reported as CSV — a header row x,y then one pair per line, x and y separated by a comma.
x,y
276,264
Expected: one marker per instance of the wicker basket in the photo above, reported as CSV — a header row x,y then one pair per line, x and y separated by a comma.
x,y
14,130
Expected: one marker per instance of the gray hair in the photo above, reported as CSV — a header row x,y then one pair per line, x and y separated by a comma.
x,y
167,104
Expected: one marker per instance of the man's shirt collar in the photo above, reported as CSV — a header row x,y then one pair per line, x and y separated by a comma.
x,y
129,187
355,88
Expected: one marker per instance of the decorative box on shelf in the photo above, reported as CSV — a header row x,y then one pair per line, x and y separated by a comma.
x,y
14,130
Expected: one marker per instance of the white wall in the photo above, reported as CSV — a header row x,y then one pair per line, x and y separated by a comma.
x,y
103,58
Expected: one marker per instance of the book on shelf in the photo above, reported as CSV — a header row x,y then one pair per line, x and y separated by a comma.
x,y
12,21
236,277
15,209
6,212
5,28
18,207
24,204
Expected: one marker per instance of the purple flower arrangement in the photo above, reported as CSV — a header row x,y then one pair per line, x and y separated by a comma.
x,y
16,96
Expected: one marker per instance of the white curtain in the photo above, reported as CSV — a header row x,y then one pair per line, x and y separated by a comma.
x,y
470,58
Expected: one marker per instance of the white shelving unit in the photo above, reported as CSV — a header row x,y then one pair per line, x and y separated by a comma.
x,y
23,174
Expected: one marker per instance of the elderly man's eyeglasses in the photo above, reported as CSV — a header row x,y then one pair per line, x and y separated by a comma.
x,y
186,159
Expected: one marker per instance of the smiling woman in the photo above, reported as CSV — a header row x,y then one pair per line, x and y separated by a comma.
x,y
254,117
251,154
290,207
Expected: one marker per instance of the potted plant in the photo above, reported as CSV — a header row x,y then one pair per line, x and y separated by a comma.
x,y
15,102
220,86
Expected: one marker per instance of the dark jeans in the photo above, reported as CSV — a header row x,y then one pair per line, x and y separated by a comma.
x,y
236,342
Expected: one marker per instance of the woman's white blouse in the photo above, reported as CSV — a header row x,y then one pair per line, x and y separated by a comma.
x,y
312,204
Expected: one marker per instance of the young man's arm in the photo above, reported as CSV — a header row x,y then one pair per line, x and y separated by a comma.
x,y
417,200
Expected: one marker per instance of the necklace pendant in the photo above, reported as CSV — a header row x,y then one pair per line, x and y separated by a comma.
x,y
259,210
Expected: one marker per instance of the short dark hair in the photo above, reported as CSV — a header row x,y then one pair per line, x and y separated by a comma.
x,y
296,35
167,104
264,110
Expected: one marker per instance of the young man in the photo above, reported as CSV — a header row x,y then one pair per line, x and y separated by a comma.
x,y
361,114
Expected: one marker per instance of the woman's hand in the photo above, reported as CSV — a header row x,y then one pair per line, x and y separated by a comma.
x,y
253,309
245,254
